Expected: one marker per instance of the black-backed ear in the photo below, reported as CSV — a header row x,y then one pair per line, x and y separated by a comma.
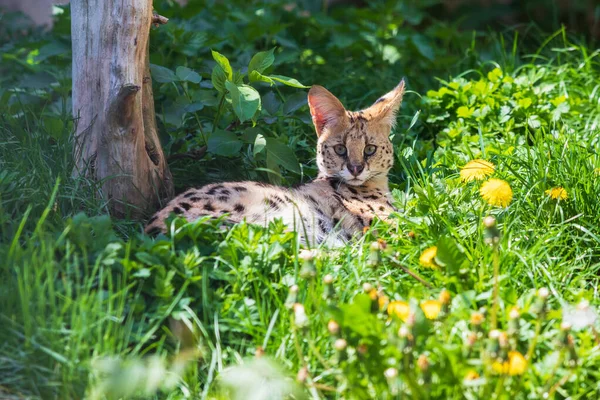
x,y
384,110
326,110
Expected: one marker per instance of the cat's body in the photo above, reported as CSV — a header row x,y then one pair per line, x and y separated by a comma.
x,y
354,155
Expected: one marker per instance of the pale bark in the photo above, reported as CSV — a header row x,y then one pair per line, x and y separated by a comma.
x,y
116,138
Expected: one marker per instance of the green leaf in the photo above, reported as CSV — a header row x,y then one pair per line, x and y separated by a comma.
x,y
259,144
534,122
261,61
273,170
223,62
271,103
294,102
186,74
449,255
256,76
283,155
288,81
224,143
162,74
218,79
55,127
245,100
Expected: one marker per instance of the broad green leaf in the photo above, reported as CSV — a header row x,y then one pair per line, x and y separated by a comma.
x,y
271,103
244,99
261,61
218,79
206,97
223,62
288,81
224,143
283,155
187,75
259,144
294,102
273,169
55,127
256,76
534,122
162,74
449,255
193,107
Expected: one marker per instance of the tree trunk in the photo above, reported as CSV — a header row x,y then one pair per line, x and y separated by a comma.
x,y
116,141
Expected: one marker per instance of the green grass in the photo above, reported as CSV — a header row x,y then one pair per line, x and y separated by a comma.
x,y
91,307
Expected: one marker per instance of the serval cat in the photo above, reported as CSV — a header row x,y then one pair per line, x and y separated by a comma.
x,y
354,156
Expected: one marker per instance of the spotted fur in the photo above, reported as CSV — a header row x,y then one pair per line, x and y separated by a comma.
x,y
351,189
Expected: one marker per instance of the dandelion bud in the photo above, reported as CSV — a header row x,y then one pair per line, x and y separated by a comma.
x,y
302,375
423,365
471,339
572,353
539,305
362,349
340,344
563,334
423,362
300,317
489,222
444,297
328,291
333,327
491,234
543,293
391,373
292,297
375,256
493,344
444,300
406,339
476,320
503,339
411,235
513,322
374,296
308,270
403,332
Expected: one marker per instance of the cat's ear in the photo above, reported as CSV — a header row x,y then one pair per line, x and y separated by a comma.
x,y
326,110
384,110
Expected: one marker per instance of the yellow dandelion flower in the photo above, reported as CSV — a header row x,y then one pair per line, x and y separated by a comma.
x,y
557,193
471,375
476,170
427,258
496,192
500,367
517,364
431,308
400,309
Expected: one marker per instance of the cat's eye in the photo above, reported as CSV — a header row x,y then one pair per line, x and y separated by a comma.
x,y
340,149
370,150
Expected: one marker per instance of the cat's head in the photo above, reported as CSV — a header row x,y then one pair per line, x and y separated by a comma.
x,y
354,145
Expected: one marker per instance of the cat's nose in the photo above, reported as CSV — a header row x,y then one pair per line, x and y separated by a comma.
x,y
356,169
